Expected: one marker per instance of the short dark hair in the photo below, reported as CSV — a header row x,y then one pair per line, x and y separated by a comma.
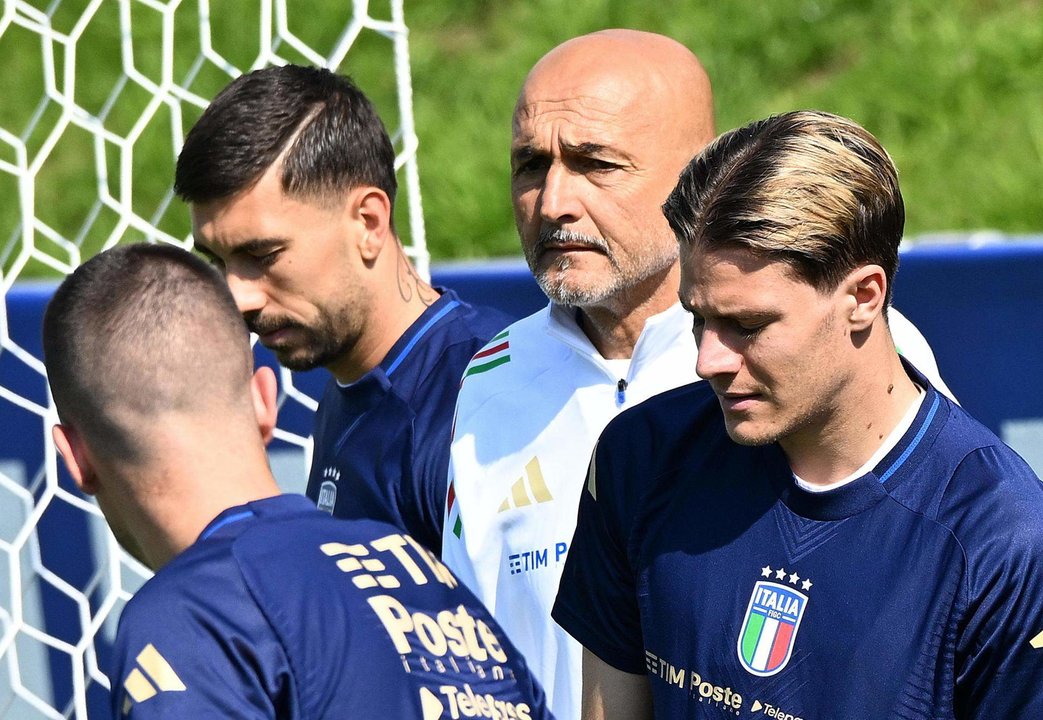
x,y
809,188
332,137
137,331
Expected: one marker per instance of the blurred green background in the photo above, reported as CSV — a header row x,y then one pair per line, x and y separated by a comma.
x,y
954,91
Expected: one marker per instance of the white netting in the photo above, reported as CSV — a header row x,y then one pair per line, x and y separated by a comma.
x,y
97,98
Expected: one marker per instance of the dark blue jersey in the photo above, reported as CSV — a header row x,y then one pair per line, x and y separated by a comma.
x,y
382,443
915,591
279,611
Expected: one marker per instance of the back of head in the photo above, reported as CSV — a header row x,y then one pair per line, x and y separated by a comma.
x,y
812,189
140,332
327,132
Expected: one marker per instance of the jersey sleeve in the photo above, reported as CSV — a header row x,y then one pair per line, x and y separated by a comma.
x,y
999,661
597,598
177,657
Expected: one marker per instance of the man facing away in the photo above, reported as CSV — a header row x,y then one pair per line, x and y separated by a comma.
x,y
815,531
262,606
603,126
291,181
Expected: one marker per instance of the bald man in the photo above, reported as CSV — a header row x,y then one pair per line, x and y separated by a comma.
x,y
603,126
262,606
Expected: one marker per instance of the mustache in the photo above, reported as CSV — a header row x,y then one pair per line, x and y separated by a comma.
x,y
264,324
553,237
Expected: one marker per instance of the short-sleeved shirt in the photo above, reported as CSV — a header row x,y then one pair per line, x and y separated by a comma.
x,y
530,410
382,443
279,611
914,591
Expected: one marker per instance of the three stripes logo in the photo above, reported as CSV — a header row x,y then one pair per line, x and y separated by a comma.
x,y
153,675
493,355
528,489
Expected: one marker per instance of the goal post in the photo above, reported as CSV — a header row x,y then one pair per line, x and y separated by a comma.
x,y
101,95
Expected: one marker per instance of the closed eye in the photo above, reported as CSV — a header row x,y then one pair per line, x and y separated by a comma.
x,y
597,165
748,331
266,259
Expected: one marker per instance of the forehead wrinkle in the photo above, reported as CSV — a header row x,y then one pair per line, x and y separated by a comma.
x,y
580,128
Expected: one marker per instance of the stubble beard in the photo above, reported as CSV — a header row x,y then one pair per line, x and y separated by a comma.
x,y
576,288
321,345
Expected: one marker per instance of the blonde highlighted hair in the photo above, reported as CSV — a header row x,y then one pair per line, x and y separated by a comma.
x,y
809,188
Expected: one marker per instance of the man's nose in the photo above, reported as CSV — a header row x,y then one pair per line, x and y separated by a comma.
x,y
716,357
559,199
248,293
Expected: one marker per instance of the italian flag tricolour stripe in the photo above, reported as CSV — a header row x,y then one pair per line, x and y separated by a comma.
x,y
495,354
766,641
458,524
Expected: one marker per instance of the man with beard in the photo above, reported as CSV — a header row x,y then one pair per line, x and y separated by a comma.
x,y
602,128
290,176
262,606
815,531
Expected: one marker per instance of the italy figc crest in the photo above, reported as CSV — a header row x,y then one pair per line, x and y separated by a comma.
x,y
770,627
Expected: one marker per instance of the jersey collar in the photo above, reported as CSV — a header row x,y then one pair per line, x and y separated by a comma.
x,y
894,468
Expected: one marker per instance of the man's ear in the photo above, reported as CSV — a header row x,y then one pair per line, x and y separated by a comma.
x,y
372,207
264,389
866,287
74,452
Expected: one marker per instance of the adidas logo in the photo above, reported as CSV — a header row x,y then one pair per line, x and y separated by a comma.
x,y
153,675
528,489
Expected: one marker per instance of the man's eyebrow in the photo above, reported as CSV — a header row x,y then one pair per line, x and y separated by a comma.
x,y
597,151
584,149
258,245
248,247
587,148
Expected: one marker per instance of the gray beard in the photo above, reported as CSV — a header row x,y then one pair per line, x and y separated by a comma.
x,y
560,290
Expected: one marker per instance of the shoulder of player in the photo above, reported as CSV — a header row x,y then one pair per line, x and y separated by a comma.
x,y
193,594
991,493
441,350
665,418
984,495
478,321
513,359
188,630
296,541
646,445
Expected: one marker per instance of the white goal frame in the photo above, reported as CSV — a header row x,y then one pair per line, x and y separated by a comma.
x,y
35,596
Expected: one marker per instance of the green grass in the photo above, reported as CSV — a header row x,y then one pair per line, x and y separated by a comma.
x,y
954,90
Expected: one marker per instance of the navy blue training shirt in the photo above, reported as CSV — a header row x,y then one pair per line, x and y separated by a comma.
x,y
915,591
279,611
382,443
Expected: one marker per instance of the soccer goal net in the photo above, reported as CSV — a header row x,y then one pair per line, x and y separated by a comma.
x,y
98,97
